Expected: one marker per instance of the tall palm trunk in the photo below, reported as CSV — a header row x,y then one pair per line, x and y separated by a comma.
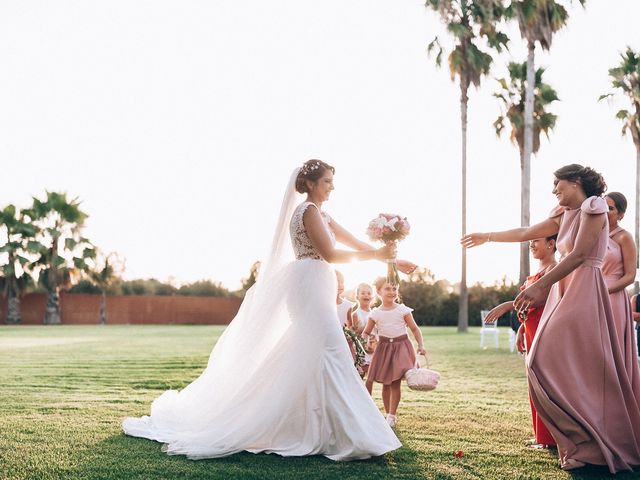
x,y
525,195
525,163
13,307
636,285
13,296
463,306
103,308
52,309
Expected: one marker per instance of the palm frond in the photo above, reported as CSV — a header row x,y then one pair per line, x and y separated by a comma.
x,y
622,114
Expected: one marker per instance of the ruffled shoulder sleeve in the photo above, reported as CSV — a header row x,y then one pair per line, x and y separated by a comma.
x,y
594,206
556,211
404,309
373,314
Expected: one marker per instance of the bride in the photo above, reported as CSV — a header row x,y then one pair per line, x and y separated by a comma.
x,y
281,378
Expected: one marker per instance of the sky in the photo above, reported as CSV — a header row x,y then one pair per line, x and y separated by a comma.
x,y
178,123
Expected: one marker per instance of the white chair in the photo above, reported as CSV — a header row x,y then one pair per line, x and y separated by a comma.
x,y
512,340
488,329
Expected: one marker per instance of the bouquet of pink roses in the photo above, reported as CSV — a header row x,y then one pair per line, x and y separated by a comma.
x,y
388,228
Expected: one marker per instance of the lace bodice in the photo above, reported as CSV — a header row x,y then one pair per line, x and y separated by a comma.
x,y
302,246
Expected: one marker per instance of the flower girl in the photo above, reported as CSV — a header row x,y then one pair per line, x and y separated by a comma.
x,y
344,306
364,298
394,354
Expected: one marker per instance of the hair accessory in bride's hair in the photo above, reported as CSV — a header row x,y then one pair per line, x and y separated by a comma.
x,y
310,167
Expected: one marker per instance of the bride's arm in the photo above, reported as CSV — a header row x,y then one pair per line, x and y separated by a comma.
x,y
347,238
321,241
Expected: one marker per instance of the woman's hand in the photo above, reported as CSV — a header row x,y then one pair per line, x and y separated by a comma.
x,y
475,239
387,252
421,351
498,311
405,266
532,296
520,340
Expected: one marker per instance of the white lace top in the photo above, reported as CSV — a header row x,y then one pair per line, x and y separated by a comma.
x,y
302,246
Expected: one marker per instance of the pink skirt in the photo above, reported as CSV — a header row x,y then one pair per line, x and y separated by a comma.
x,y
391,360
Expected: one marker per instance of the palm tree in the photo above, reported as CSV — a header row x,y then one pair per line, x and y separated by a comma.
x,y
513,99
64,252
108,269
19,246
626,79
248,282
538,21
469,22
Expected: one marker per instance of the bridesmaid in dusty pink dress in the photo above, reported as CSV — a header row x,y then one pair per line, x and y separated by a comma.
x,y
619,271
576,370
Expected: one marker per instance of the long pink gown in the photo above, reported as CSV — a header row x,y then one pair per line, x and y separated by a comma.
x,y
576,370
613,270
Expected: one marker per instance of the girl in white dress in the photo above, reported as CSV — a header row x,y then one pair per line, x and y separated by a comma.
x,y
296,396
344,305
394,354
364,297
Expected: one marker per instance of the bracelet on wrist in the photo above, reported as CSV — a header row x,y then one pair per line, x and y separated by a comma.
x,y
489,237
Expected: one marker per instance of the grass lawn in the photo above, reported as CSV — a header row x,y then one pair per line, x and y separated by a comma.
x,y
64,391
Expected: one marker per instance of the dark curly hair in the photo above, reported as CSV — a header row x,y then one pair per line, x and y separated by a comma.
x,y
311,170
591,181
619,200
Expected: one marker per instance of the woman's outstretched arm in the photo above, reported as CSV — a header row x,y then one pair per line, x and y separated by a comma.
x,y
544,229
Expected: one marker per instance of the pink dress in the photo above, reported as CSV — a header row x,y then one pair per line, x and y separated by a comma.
x,y
613,270
394,354
577,376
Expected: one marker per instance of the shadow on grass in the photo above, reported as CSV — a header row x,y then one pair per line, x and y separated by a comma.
x,y
592,472
120,456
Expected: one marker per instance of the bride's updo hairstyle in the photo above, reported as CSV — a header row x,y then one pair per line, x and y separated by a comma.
x,y
592,182
311,170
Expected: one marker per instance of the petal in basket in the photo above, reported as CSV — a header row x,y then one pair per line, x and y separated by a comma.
x,y
423,379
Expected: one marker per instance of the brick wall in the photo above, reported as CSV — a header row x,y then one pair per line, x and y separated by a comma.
x,y
139,309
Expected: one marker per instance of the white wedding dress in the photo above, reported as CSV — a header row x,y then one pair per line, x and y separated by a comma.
x,y
281,377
